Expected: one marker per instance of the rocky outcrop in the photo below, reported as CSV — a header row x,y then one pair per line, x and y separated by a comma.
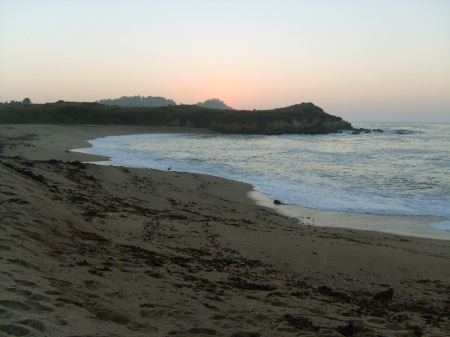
x,y
304,118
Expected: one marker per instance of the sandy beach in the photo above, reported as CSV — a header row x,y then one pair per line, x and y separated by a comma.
x,y
92,250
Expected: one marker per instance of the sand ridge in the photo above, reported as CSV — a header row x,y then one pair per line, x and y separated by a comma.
x,y
90,250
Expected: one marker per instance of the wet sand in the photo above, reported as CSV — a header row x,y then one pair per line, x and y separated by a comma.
x,y
417,226
90,250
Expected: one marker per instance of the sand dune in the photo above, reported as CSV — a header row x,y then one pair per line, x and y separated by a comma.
x,y
89,250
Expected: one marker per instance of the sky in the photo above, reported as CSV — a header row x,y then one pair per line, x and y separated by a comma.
x,y
363,60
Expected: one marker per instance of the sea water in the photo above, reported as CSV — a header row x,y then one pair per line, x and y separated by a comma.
x,y
404,170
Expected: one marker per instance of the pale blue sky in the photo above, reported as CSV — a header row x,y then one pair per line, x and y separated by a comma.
x,y
362,60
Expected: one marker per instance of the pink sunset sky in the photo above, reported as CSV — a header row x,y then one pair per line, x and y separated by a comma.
x,y
384,60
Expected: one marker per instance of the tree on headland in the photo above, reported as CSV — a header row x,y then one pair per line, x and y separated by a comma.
x,y
12,103
214,103
138,101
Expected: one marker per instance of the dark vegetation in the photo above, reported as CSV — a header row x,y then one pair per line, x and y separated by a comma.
x,y
95,113
138,101
299,118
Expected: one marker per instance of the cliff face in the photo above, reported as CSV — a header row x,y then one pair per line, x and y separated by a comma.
x,y
304,118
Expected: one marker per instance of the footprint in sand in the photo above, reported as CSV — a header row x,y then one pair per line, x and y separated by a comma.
x,y
29,295
5,248
15,305
245,334
5,314
22,263
193,331
119,318
14,329
25,306
39,307
25,283
35,324
202,331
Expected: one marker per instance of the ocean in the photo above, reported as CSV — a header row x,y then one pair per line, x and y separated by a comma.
x,y
403,171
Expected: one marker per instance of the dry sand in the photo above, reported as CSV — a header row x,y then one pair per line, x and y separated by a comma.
x,y
89,250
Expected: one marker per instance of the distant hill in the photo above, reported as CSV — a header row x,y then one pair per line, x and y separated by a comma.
x,y
138,101
214,103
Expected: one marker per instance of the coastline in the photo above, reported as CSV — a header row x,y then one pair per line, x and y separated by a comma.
x,y
137,252
415,226
408,226
57,141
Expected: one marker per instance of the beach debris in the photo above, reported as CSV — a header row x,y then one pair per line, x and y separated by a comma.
x,y
150,257
38,177
99,271
327,291
18,201
202,331
78,164
349,330
385,295
240,283
82,263
301,323
90,236
245,334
